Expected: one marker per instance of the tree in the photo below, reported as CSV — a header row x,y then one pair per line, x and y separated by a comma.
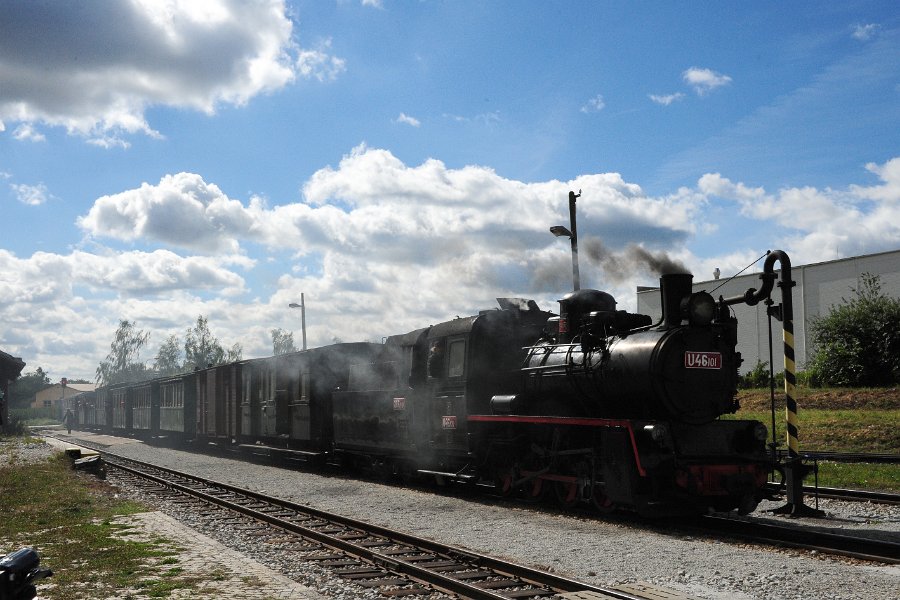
x,y
858,342
234,353
282,341
202,349
23,389
168,358
123,361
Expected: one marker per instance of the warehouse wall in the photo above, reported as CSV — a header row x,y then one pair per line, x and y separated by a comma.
x,y
819,287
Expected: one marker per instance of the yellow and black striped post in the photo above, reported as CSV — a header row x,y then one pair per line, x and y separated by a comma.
x,y
794,469
790,381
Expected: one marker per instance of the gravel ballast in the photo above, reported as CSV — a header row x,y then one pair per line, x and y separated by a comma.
x,y
605,552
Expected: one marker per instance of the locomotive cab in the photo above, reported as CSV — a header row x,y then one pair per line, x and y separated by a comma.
x,y
475,359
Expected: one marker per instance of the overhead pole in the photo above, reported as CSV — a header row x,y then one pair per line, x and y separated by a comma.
x,y
575,275
303,317
302,307
572,234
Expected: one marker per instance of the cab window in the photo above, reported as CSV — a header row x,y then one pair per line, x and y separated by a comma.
x,y
456,358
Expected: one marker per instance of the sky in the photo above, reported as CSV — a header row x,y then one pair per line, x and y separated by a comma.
x,y
400,163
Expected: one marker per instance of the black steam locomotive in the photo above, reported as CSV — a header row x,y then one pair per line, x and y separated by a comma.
x,y
594,405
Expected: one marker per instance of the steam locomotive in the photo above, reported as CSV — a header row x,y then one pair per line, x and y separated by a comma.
x,y
593,405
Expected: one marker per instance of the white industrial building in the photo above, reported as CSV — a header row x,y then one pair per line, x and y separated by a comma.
x,y
819,287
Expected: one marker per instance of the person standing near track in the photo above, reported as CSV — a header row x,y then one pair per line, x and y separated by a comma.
x,y
69,419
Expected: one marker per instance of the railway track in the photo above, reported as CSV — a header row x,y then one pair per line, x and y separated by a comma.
x,y
394,563
479,567
754,531
844,494
849,457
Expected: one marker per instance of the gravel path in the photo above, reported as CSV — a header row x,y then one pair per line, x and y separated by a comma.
x,y
604,552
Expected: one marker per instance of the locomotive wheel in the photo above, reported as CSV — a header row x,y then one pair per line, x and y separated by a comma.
x,y
566,493
601,501
504,485
534,490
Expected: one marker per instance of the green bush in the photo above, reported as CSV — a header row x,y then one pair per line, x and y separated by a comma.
x,y
857,344
759,378
15,426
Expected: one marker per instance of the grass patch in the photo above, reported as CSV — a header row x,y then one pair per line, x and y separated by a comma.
x,y
861,420
865,431
69,519
860,476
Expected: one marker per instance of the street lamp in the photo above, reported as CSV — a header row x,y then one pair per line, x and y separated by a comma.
x,y
560,231
302,307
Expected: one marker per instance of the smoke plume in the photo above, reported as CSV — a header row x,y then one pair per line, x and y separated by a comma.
x,y
620,266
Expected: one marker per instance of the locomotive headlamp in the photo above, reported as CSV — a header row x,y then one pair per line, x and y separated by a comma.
x,y
700,308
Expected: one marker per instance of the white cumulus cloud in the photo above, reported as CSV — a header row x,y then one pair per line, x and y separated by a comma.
x,y
33,195
94,68
595,104
182,210
865,32
379,247
666,99
408,120
704,80
857,220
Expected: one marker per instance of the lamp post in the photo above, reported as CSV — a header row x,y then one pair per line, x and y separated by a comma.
x,y
302,307
560,231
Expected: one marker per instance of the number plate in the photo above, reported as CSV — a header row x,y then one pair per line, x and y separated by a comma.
x,y
702,360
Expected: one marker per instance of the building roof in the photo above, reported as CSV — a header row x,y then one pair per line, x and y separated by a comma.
x,y
82,387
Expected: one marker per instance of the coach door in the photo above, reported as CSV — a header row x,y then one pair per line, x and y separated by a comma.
x,y
287,372
300,406
141,407
171,405
251,401
121,408
267,405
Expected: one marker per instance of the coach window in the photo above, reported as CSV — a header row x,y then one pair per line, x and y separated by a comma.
x,y
456,358
304,387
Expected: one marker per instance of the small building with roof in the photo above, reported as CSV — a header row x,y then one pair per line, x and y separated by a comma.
x,y
53,395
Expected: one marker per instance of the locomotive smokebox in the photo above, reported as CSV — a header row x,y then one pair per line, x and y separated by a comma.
x,y
674,287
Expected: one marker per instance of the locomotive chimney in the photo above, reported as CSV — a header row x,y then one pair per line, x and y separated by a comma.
x,y
673,287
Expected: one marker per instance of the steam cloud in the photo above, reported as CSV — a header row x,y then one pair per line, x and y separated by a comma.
x,y
620,266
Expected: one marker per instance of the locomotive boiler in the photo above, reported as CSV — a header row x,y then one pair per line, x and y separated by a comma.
x,y
598,361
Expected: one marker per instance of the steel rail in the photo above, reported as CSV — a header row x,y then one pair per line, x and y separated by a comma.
x,y
529,576
849,457
831,543
843,494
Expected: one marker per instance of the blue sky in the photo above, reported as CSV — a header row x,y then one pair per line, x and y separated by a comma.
x,y
400,163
